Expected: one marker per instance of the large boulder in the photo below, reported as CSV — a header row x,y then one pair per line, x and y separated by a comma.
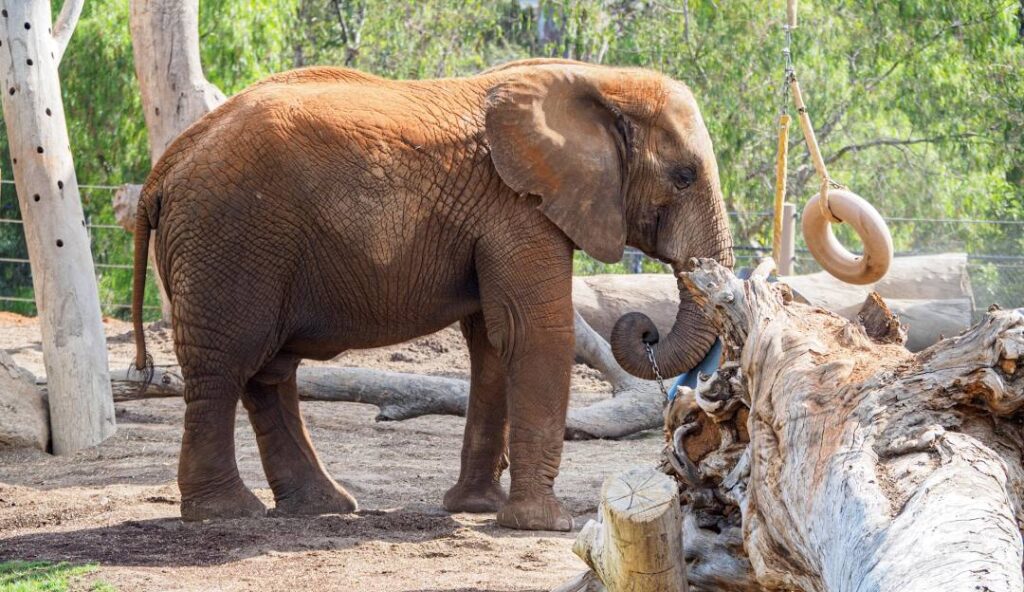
x,y
24,415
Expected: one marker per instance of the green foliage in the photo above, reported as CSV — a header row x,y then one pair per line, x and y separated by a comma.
x,y
41,576
918,104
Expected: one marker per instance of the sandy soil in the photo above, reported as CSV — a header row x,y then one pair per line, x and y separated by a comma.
x,y
117,504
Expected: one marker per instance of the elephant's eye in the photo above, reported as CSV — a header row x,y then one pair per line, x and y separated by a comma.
x,y
684,177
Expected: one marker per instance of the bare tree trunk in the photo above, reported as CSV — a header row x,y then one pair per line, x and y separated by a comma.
x,y
175,93
74,346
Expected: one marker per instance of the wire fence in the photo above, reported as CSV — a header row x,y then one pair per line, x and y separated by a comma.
x,y
993,248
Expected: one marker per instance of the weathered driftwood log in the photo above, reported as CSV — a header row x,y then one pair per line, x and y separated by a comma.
x,y
847,462
824,456
636,405
637,544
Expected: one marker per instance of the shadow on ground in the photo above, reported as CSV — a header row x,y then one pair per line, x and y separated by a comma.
x,y
169,542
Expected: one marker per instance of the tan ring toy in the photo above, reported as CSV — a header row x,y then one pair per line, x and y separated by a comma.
x,y
832,204
852,209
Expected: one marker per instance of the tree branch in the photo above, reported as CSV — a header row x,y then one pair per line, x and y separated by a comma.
x,y
65,25
852,148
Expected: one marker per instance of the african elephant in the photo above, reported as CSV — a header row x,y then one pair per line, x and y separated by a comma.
x,y
325,209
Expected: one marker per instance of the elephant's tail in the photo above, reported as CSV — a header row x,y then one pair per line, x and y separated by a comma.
x,y
143,226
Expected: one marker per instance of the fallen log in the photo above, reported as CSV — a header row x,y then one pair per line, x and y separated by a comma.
x,y
931,293
861,466
824,456
635,405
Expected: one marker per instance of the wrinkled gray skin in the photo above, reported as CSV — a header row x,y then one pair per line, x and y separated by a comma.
x,y
324,209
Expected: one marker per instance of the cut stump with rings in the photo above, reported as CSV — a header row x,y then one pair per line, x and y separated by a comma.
x,y
854,210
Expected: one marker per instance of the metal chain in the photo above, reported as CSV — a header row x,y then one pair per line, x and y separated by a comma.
x,y
657,371
790,72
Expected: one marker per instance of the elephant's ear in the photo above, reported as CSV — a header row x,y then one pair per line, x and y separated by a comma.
x,y
553,134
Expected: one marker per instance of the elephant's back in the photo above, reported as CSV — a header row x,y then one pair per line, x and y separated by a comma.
x,y
306,166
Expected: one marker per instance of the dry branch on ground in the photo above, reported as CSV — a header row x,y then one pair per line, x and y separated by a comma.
x,y
635,406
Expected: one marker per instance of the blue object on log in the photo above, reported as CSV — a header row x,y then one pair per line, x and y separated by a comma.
x,y
711,361
707,366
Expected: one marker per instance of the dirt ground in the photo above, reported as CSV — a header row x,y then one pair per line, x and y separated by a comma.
x,y
117,505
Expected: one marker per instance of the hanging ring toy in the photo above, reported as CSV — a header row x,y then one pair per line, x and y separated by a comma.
x,y
834,203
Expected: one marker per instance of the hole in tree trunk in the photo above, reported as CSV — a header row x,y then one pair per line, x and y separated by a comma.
x,y
60,184
60,243
36,197
28,26
39,149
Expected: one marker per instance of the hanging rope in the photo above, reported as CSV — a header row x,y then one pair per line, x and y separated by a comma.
x,y
780,184
812,147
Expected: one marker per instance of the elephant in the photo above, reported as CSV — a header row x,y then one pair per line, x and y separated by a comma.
x,y
325,209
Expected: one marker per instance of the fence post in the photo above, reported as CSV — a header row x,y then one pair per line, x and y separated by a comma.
x,y
74,345
788,254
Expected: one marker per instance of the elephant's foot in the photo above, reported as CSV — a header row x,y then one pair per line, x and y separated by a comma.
x,y
316,496
541,512
479,497
233,501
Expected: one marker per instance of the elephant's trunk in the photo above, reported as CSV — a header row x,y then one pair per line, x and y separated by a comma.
x,y
683,348
692,334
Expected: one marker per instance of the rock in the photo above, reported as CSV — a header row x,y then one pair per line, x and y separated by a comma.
x,y
24,415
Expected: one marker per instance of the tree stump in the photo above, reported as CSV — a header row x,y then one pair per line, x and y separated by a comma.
x,y
637,546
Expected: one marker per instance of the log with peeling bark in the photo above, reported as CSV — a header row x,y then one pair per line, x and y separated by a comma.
x,y
635,405
825,456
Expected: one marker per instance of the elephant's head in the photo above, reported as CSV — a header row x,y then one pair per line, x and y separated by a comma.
x,y
617,157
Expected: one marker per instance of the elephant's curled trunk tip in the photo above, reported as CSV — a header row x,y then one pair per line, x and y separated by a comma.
x,y
643,352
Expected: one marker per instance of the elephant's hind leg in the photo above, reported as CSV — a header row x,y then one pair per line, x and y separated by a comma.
x,y
207,474
485,444
301,484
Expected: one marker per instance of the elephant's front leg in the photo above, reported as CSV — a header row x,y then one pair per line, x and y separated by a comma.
x,y
529,318
485,444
